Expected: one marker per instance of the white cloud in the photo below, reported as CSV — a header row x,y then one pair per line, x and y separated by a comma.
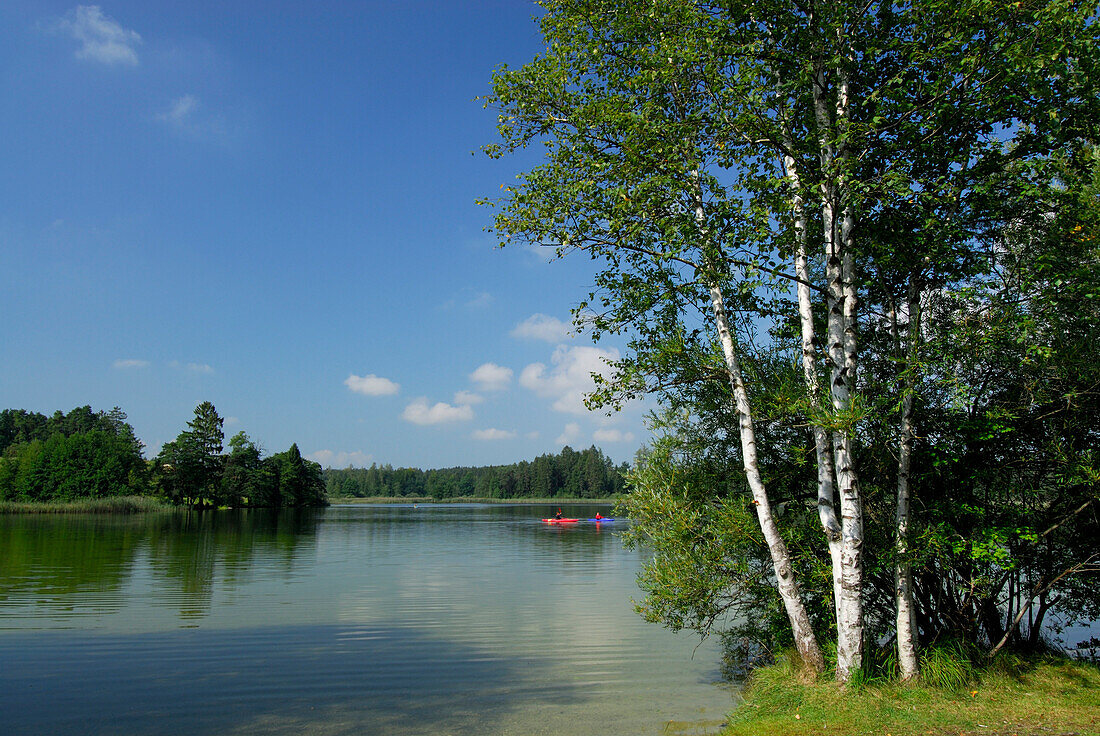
x,y
468,398
612,435
480,300
570,434
371,385
101,38
492,434
491,377
542,327
418,412
193,367
180,110
330,459
131,363
231,421
570,378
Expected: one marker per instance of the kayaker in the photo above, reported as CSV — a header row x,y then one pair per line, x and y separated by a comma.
x,y
598,517
558,515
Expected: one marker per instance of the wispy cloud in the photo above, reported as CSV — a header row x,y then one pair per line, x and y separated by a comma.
x,y
491,377
570,378
570,434
492,434
371,385
470,299
192,367
330,459
187,116
542,327
102,39
180,110
480,300
419,412
468,398
130,363
612,435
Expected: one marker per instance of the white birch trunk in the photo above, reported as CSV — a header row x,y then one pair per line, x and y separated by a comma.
x,y
805,640
903,574
837,219
787,584
826,487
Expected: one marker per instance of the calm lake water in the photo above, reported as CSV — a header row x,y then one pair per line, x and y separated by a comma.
x,y
456,619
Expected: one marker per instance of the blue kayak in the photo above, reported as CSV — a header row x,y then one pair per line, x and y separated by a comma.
x,y
601,520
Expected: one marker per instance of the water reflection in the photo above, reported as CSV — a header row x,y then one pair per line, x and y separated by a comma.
x,y
293,680
54,567
369,619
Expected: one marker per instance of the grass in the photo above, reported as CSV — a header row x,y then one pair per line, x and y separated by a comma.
x,y
112,505
1011,697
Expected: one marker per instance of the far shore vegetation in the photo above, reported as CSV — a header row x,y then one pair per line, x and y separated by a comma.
x,y
85,460
108,505
466,499
569,474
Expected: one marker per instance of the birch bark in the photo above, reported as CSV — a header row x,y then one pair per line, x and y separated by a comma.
x,y
838,219
786,582
903,574
826,486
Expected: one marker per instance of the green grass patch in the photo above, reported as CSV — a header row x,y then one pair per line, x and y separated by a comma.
x,y
112,505
1010,697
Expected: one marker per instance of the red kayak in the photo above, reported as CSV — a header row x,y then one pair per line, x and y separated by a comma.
x,y
561,521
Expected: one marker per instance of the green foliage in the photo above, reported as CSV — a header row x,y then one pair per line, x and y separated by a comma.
x,y
193,470
710,570
299,481
82,454
569,474
968,160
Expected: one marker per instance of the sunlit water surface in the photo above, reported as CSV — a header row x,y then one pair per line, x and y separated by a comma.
x,y
457,619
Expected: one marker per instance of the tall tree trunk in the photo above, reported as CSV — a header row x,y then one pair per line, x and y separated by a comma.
x,y
826,487
787,584
805,640
838,219
903,573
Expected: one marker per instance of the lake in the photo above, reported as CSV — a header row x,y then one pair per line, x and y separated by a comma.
x,y
389,619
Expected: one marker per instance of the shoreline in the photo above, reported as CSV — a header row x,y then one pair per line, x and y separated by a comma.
x,y
154,504
109,505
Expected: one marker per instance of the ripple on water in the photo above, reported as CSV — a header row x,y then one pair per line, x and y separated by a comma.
x,y
397,621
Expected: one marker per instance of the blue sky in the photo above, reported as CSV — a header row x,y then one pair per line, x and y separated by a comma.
x,y
270,206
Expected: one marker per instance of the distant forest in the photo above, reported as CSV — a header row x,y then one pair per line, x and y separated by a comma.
x,y
569,474
85,454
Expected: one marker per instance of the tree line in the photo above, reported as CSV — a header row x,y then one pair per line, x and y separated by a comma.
x,y
855,247
568,474
193,469
66,457
86,455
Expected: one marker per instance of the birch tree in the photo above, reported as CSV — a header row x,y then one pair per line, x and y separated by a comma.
x,y
715,157
630,179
